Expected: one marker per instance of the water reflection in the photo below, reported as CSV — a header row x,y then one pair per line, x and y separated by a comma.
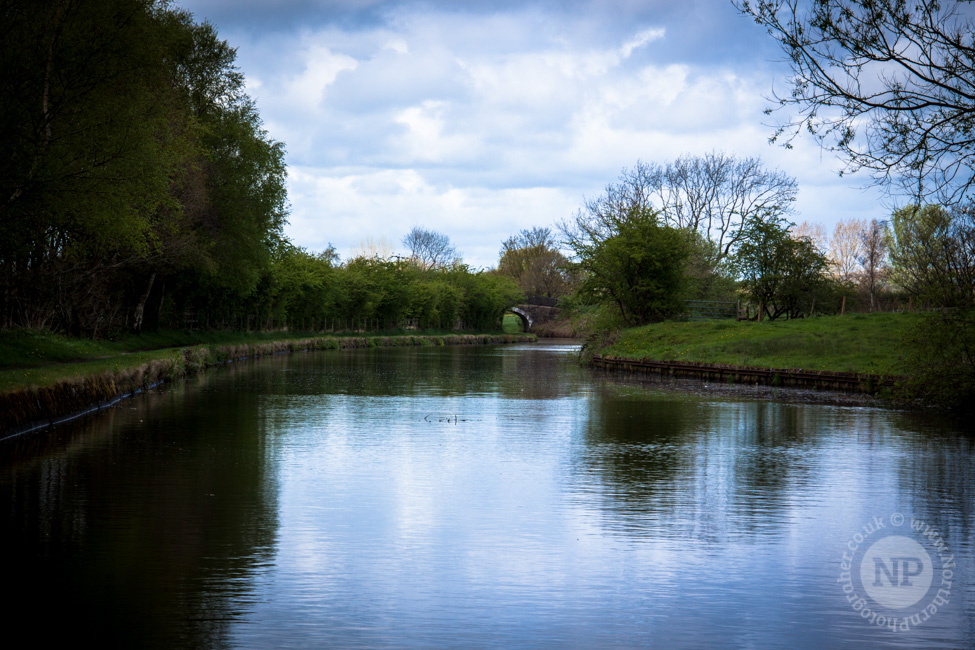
x,y
472,497
144,527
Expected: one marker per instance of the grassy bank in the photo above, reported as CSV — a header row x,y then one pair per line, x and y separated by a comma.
x,y
43,394
39,358
861,343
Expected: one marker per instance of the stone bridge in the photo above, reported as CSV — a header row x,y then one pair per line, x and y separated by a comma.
x,y
536,310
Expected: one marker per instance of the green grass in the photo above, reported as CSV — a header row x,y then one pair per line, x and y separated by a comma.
x,y
34,348
38,357
867,343
16,378
512,324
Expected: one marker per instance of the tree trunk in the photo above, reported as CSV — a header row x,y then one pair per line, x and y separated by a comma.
x,y
141,306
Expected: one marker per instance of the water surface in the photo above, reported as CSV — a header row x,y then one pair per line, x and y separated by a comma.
x,y
473,497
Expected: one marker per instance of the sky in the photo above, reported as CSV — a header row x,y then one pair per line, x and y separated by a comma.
x,y
479,119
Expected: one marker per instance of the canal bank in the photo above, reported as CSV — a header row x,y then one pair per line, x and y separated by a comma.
x,y
852,382
858,353
30,408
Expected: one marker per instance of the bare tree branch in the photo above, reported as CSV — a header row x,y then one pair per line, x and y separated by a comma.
x,y
714,194
887,84
430,249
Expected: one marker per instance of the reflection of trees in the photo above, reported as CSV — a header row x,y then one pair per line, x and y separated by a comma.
x,y
938,471
147,535
504,371
684,467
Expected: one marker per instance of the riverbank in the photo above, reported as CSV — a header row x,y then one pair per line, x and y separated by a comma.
x,y
859,352
43,394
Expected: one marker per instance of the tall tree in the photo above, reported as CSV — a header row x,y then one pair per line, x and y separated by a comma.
x,y
714,194
873,260
533,260
845,246
430,249
639,269
92,138
133,163
781,273
920,240
932,251
890,86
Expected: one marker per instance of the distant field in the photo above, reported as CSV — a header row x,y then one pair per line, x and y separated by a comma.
x,y
871,343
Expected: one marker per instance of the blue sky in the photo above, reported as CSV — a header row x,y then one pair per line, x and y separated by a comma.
x,y
478,119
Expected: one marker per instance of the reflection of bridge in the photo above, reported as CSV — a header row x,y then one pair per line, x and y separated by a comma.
x,y
536,310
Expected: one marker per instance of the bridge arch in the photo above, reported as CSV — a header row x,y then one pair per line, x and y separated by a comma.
x,y
526,319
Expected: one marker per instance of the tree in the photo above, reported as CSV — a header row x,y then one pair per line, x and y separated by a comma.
x,y
485,297
814,232
845,248
372,249
714,194
92,136
932,252
639,269
232,199
926,245
873,260
781,273
889,84
430,249
134,164
533,260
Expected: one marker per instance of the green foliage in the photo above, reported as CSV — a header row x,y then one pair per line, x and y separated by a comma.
x,y
136,172
926,253
705,279
933,257
943,359
781,273
139,190
486,297
639,269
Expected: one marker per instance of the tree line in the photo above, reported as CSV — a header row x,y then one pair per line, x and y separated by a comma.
x,y
649,244
307,291
139,189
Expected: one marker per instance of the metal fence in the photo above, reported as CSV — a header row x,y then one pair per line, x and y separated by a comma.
x,y
711,309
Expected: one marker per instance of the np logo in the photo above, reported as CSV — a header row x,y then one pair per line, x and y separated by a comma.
x,y
897,572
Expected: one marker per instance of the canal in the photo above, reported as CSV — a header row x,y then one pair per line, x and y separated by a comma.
x,y
487,497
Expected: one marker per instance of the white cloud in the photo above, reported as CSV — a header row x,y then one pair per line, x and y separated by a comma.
x,y
307,89
480,125
641,39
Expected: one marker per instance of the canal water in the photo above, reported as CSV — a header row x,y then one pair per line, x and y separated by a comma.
x,y
487,497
